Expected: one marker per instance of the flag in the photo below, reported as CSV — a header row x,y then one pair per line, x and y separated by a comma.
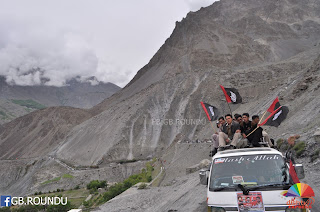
x,y
211,111
232,95
293,173
270,116
275,105
278,117
275,118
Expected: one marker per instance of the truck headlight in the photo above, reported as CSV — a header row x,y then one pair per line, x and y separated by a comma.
x,y
294,210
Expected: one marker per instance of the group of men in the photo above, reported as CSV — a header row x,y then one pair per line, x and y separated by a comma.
x,y
239,132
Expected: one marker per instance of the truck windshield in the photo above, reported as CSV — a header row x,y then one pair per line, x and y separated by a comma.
x,y
251,170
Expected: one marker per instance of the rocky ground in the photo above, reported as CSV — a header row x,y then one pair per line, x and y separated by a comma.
x,y
183,192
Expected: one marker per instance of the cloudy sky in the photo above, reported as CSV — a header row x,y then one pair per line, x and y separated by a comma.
x,y
57,40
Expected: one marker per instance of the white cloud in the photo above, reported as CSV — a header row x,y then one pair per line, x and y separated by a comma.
x,y
34,52
58,40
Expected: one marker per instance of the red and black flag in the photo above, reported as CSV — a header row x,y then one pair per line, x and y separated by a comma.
x,y
275,105
293,173
211,111
277,117
232,95
278,114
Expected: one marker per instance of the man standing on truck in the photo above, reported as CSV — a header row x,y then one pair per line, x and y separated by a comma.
x,y
230,133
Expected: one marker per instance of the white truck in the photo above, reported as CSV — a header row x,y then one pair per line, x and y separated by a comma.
x,y
249,179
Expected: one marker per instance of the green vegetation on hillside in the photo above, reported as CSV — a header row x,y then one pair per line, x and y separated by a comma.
x,y
299,148
144,176
67,176
51,181
95,184
56,179
29,103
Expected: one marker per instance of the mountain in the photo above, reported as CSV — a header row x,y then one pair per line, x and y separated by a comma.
x,y
43,134
16,100
263,48
75,93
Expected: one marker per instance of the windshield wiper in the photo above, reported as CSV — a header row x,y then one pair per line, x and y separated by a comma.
x,y
244,189
285,186
224,188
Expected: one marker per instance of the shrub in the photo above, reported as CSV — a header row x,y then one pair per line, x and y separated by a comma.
x,y
95,184
86,203
280,142
299,148
142,186
113,191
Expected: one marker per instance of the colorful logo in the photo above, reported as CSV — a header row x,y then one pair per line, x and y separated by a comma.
x,y
298,191
5,201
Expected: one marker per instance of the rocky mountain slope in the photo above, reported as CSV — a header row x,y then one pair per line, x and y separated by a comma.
x,y
263,48
34,136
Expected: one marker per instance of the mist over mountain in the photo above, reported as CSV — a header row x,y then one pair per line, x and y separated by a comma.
x,y
263,48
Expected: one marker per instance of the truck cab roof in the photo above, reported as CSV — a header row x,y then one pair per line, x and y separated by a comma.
x,y
246,151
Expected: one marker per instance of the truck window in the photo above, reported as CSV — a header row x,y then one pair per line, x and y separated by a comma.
x,y
264,169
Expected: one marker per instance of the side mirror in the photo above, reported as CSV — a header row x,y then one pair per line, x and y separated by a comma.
x,y
299,170
204,176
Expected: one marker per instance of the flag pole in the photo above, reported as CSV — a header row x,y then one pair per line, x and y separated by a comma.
x,y
230,109
257,124
262,116
214,130
265,120
253,130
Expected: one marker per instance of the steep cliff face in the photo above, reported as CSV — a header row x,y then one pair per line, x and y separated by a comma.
x,y
260,47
